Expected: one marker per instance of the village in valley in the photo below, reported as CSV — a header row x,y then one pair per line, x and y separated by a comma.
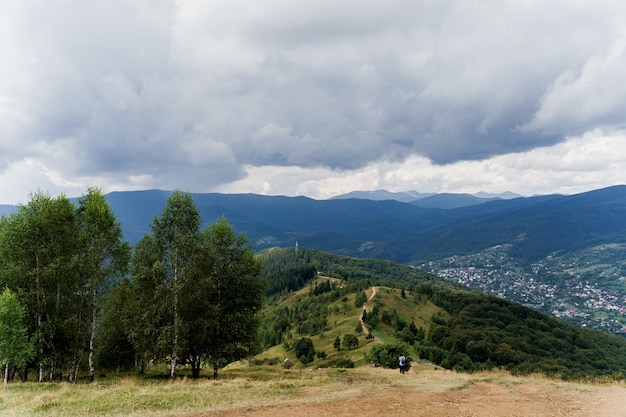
x,y
588,289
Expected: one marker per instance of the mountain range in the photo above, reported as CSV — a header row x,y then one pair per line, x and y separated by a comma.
x,y
405,232
429,200
561,254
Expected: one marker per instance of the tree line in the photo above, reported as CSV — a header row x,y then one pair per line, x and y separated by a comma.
x,y
182,295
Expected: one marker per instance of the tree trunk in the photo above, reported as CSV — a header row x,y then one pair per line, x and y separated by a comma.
x,y
74,364
40,336
52,371
195,367
175,341
215,368
6,376
94,321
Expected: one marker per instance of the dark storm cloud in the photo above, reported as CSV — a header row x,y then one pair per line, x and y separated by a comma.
x,y
191,91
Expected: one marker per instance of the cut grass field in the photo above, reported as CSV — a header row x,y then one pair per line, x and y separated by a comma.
x,y
264,391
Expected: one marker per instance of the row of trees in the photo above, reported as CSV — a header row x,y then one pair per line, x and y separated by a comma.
x,y
58,258
181,295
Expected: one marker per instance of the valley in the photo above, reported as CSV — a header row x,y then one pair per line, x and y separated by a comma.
x,y
585,287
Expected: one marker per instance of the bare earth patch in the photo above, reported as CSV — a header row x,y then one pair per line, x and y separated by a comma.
x,y
441,394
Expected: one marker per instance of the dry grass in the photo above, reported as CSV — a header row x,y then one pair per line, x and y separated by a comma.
x,y
241,386
131,396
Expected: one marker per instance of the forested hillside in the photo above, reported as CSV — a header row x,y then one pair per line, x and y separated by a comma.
x,y
463,330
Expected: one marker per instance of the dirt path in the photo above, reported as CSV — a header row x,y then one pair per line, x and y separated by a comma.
x,y
477,399
365,329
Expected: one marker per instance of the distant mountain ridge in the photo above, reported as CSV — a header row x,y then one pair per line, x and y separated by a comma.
x,y
379,195
429,200
403,232
531,232
7,209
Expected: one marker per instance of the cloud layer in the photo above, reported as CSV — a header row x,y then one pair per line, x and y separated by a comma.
x,y
212,95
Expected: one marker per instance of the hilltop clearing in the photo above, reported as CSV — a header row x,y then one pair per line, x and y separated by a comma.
x,y
264,391
374,392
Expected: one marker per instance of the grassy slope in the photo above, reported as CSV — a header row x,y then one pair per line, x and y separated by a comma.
x,y
470,331
340,324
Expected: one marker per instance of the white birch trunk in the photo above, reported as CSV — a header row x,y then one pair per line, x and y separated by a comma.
x,y
175,341
92,336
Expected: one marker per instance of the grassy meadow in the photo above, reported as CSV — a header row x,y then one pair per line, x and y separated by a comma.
x,y
241,385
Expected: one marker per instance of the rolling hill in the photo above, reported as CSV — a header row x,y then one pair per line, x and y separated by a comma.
x,y
426,317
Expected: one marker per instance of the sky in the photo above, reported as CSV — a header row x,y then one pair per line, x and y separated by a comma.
x,y
311,97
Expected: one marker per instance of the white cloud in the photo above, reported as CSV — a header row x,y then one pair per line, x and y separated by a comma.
x,y
593,160
193,94
595,94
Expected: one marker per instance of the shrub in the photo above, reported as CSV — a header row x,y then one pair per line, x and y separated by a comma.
x,y
344,363
304,349
386,355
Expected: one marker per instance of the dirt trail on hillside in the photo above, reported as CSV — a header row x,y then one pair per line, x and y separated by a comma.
x,y
476,399
365,329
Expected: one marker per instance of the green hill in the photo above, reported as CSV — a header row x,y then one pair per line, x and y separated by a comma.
x,y
315,299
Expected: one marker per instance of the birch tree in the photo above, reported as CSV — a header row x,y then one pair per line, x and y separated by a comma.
x,y
103,256
236,295
37,248
15,348
198,293
149,308
175,240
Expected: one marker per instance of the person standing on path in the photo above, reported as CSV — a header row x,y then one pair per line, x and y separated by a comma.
x,y
402,362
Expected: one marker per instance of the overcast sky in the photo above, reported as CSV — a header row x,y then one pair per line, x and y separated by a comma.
x,y
311,97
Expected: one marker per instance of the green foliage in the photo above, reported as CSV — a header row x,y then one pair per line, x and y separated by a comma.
x,y
116,331
103,258
198,293
322,287
386,355
235,296
468,331
366,272
15,348
371,318
360,299
485,331
343,363
60,261
337,343
358,329
169,269
350,341
304,349
289,280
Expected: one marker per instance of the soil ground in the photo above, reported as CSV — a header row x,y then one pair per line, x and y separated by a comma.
x,y
444,394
